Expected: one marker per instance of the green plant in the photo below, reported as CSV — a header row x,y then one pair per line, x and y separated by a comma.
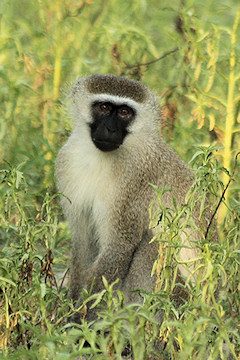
x,y
187,51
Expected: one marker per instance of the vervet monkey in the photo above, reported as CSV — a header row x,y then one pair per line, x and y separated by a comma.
x,y
106,169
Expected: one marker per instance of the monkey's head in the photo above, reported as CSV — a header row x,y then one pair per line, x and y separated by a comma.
x,y
112,108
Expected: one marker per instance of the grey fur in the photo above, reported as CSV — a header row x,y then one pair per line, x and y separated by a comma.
x,y
110,193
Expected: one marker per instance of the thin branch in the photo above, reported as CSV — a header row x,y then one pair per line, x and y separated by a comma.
x,y
155,60
223,194
63,279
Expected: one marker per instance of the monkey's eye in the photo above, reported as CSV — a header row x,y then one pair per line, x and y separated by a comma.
x,y
125,113
105,108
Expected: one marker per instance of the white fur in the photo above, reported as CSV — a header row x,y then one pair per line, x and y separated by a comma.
x,y
118,100
90,185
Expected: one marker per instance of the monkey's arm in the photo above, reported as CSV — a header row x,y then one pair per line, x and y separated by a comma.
x,y
116,255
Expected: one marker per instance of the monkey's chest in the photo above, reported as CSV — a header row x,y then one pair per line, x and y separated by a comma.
x,y
91,193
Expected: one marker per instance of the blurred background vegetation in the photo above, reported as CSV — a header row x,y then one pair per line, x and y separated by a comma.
x,y
46,45
187,51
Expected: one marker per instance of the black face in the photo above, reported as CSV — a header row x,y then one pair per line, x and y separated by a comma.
x,y
110,122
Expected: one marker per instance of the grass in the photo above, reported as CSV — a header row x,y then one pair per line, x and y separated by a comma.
x,y
45,46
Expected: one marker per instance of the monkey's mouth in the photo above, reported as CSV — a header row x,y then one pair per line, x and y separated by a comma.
x,y
105,145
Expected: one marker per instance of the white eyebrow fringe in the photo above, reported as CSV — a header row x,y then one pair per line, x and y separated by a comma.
x,y
118,100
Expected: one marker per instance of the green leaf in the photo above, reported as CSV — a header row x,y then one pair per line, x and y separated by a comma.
x,y
8,281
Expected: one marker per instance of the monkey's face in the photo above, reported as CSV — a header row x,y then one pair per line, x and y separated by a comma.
x,y
113,111
110,124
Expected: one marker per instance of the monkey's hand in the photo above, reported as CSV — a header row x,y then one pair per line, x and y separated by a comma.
x,y
93,284
116,269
